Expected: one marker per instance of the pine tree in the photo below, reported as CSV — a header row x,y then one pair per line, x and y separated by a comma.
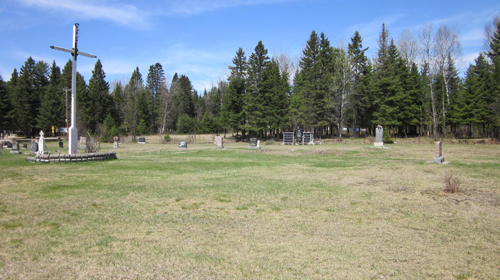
x,y
473,104
52,110
239,68
494,55
26,99
155,85
360,67
98,103
4,105
232,111
388,83
254,96
307,84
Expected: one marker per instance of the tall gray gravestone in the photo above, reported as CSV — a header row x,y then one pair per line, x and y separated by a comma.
x,y
379,136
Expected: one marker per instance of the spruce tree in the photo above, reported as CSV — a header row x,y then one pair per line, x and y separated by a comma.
x,y
254,106
98,103
4,105
155,85
26,99
52,110
360,91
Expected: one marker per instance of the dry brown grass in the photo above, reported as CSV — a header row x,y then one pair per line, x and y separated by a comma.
x,y
342,211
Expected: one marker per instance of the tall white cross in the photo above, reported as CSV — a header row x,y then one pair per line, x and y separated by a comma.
x,y
73,131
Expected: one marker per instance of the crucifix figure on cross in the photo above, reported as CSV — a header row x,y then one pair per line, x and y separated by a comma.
x,y
73,132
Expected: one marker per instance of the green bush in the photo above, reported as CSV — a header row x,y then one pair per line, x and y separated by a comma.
x,y
167,138
387,137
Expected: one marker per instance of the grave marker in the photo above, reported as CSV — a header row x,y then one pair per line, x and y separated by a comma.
x,y
182,145
34,147
309,138
254,144
142,140
439,153
288,138
379,136
219,142
116,144
41,143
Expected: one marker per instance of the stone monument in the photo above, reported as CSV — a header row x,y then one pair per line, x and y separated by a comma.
x,y
116,144
41,144
254,144
182,145
439,158
309,138
299,136
288,138
379,136
34,147
142,140
219,142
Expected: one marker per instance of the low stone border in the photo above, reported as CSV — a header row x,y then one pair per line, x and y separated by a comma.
x,y
48,158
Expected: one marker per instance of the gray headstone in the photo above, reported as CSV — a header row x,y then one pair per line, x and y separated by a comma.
x,y
182,145
254,144
34,147
142,141
219,142
1,146
15,146
379,136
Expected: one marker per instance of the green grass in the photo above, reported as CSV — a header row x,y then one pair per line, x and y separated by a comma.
x,y
342,211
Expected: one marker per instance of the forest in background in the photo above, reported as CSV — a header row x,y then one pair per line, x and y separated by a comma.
x,y
412,88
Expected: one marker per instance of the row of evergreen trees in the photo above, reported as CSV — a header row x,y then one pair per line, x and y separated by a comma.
x,y
332,89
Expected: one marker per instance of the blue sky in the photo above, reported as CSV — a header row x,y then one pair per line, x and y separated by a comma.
x,y
198,38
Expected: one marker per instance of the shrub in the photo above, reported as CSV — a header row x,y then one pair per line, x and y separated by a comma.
x,y
452,184
167,138
269,142
387,137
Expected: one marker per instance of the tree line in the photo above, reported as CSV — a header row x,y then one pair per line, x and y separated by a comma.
x,y
412,87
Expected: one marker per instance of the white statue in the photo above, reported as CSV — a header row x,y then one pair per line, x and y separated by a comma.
x,y
41,143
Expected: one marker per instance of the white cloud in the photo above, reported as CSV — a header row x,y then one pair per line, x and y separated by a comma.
x,y
121,14
190,7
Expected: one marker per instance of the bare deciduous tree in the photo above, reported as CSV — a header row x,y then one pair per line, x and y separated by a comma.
x,y
408,47
428,63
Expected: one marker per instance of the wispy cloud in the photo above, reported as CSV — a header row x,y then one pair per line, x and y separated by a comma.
x,y
121,14
190,7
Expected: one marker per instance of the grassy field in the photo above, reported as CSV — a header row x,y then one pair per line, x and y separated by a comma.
x,y
336,211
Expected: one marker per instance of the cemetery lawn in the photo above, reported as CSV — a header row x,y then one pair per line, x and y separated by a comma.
x,y
341,211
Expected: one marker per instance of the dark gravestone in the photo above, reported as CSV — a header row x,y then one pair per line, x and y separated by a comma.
x,y
254,144
25,145
61,145
1,146
299,135
142,141
288,138
182,145
15,149
9,145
